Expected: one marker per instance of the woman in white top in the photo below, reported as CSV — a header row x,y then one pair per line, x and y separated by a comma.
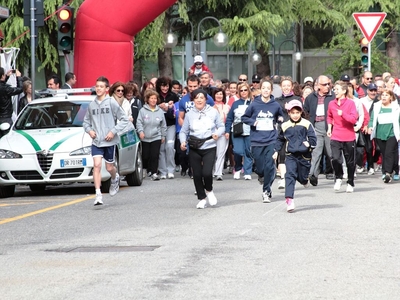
x,y
117,91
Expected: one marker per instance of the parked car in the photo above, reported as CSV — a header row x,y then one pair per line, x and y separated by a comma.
x,y
47,146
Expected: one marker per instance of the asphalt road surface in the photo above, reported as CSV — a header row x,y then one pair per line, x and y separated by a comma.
x,y
150,242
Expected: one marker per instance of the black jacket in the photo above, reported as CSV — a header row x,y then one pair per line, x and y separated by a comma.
x,y
6,92
311,103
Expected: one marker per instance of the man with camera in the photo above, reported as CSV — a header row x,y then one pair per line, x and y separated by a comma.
x,y
6,93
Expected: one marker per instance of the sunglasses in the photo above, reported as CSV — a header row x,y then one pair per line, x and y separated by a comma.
x,y
369,78
242,79
119,91
325,84
244,90
198,64
256,82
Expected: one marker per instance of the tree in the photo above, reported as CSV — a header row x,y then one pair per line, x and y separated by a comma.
x,y
16,35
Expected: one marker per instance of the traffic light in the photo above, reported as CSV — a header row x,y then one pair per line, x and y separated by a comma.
x,y
65,29
364,48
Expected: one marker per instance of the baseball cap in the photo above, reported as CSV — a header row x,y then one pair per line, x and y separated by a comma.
x,y
255,78
345,77
294,103
308,78
372,86
198,59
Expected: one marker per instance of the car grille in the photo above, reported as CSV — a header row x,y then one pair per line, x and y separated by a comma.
x,y
45,161
66,173
26,175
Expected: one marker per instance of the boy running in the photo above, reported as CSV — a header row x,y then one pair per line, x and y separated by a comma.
x,y
100,123
301,140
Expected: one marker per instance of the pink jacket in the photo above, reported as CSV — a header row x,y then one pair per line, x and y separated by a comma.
x,y
342,126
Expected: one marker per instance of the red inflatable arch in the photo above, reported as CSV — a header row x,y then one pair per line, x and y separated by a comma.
x,y
104,37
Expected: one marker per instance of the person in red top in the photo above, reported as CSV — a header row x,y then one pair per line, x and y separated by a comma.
x,y
199,67
342,115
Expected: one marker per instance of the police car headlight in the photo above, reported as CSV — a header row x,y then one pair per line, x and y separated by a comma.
x,y
82,151
7,154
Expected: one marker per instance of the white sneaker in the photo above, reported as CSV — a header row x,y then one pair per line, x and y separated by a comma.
x,y
349,189
345,176
267,197
247,177
359,170
201,204
307,185
114,186
155,177
281,184
337,185
163,177
98,200
236,176
170,176
290,204
212,200
371,171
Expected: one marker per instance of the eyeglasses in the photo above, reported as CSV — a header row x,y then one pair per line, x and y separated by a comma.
x,y
119,91
368,78
325,84
244,90
242,79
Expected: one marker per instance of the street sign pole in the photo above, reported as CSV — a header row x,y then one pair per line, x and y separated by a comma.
x,y
369,57
33,55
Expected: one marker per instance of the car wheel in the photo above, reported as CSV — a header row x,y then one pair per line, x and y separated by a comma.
x,y
37,187
136,178
105,185
7,191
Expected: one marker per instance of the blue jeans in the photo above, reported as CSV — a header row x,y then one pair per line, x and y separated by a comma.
x,y
242,151
265,164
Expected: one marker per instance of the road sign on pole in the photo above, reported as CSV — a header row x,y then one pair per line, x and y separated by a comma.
x,y
369,23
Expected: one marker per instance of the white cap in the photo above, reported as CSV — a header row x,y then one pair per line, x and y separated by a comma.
x,y
198,59
309,78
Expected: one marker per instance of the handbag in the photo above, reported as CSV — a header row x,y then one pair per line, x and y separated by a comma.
x,y
195,142
238,129
360,140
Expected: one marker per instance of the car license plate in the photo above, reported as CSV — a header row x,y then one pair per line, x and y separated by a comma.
x,y
73,162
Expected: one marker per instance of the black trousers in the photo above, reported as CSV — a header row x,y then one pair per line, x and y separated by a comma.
x,y
150,154
202,163
348,150
390,155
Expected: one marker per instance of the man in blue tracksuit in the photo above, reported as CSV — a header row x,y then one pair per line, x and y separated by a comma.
x,y
299,137
262,115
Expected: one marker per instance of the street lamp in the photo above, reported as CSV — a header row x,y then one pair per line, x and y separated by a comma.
x,y
220,39
297,56
256,58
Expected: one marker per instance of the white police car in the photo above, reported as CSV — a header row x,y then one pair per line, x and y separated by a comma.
x,y
47,146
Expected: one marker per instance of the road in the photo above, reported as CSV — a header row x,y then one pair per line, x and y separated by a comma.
x,y
150,242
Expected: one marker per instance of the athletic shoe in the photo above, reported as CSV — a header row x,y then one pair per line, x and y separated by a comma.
x,y
177,168
313,180
383,177
170,176
387,178
98,200
201,204
155,177
345,176
247,177
281,185
212,200
349,188
230,170
371,171
114,186
378,168
267,197
236,176
290,204
307,185
163,177
337,185
359,170
260,180
219,178
396,177
330,176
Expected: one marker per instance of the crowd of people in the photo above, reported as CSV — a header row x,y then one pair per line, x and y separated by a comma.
x,y
273,127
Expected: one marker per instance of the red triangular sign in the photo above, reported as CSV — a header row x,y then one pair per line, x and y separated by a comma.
x,y
369,23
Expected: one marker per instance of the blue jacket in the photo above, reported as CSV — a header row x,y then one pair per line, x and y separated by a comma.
x,y
295,134
262,118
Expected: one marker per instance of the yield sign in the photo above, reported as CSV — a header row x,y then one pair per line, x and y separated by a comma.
x,y
369,23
